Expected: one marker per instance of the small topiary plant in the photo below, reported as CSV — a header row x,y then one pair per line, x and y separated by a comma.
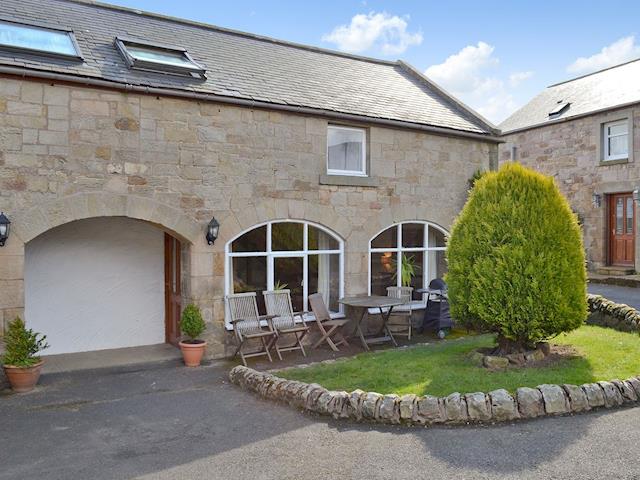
x,y
191,323
22,345
516,260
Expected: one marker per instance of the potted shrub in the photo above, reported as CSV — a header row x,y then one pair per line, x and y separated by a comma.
x,y
21,363
192,325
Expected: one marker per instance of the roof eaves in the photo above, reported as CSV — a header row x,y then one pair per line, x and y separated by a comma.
x,y
488,125
243,101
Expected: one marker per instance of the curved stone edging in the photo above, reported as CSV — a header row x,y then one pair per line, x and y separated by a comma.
x,y
455,409
605,313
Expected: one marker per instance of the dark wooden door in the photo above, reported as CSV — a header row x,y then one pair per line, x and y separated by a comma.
x,y
172,289
622,229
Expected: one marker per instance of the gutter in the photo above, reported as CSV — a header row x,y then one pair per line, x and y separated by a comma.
x,y
127,87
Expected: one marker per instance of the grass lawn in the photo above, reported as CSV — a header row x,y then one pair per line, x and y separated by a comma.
x,y
442,368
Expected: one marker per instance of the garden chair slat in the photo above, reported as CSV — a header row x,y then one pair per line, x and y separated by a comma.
x,y
243,309
331,330
278,303
402,317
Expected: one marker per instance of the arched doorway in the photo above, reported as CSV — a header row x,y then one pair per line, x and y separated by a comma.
x,y
103,283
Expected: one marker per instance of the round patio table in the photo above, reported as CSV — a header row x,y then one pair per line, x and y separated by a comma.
x,y
365,302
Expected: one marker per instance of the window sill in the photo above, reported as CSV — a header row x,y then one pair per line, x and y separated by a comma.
x,y
349,181
604,163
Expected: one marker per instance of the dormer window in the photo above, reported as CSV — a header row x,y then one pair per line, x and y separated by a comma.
x,y
559,109
158,58
38,39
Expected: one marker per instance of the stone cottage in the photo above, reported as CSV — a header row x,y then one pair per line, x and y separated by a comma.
x,y
584,132
124,134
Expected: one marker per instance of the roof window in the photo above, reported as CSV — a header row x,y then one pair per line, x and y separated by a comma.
x,y
559,109
38,39
158,58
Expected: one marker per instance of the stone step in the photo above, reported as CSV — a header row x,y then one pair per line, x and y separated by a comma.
x,y
621,280
615,271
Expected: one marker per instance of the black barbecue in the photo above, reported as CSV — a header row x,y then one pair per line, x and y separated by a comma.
x,y
437,317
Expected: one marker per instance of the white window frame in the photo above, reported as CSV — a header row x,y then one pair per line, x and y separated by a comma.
x,y
272,254
194,68
399,249
605,138
352,173
38,51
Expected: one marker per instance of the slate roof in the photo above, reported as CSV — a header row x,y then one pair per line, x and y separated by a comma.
x,y
242,65
603,90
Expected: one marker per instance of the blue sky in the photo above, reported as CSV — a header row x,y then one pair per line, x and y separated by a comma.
x,y
494,55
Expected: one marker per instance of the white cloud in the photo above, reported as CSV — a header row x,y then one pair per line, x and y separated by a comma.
x,y
620,51
471,75
517,78
381,31
461,72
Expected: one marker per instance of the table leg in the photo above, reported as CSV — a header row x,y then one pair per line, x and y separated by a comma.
x,y
359,330
385,327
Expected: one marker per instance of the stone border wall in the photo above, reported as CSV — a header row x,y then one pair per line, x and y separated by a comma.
x,y
606,313
459,409
455,409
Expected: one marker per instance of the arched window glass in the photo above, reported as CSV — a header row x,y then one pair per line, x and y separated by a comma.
x,y
408,253
300,256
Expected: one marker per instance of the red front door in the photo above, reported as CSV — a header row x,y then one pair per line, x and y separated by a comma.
x,y
622,229
172,290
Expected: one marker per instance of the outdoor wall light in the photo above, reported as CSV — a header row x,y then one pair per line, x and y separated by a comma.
x,y
596,199
213,228
4,228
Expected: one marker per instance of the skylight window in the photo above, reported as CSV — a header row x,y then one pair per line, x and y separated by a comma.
x,y
559,109
19,36
147,56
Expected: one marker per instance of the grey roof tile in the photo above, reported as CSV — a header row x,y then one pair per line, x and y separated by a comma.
x,y
242,65
603,90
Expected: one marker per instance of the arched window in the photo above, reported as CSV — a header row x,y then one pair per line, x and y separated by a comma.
x,y
408,253
301,256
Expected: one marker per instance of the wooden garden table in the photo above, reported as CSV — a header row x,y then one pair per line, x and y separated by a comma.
x,y
366,302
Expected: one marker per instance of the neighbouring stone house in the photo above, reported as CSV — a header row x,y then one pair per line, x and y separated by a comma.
x,y
585,133
123,134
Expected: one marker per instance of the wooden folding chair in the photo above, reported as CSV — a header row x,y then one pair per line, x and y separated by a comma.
x,y
243,309
401,318
331,330
279,307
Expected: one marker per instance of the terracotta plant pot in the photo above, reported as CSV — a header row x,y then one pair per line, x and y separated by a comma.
x,y
23,379
192,352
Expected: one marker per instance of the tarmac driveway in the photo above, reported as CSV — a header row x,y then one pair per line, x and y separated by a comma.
x,y
164,421
618,294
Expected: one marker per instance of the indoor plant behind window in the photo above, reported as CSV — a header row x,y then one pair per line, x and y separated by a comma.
x,y
21,363
192,326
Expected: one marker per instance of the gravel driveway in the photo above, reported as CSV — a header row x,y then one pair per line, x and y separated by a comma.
x,y
164,421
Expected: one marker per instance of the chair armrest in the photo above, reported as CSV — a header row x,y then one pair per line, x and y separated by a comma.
x,y
301,315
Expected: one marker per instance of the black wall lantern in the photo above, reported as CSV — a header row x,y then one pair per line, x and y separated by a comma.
x,y
4,228
213,228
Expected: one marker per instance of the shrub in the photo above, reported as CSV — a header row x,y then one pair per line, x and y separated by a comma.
x,y
516,261
22,345
191,322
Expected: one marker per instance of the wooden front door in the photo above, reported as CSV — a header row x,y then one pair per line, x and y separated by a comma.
x,y
622,229
172,289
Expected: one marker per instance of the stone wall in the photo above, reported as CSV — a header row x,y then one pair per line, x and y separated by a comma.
x,y
455,409
569,152
69,152
605,313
